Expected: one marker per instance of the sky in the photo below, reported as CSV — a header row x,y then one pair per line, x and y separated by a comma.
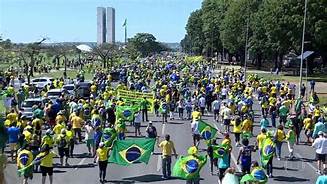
x,y
75,20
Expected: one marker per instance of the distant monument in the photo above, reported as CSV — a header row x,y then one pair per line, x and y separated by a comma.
x,y
105,25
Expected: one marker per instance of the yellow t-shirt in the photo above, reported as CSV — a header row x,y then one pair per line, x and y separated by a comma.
x,y
12,116
167,147
77,122
280,135
60,119
47,160
28,135
38,122
57,129
93,88
260,138
308,123
103,153
316,112
247,125
47,140
196,115
236,128
70,134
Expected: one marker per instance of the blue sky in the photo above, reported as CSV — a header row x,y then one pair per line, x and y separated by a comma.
x,y
75,20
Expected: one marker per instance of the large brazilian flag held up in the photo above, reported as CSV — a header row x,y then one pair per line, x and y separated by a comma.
x,y
126,112
206,130
189,167
130,151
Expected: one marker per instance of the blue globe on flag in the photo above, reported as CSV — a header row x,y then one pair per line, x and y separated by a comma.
x,y
259,175
206,134
221,151
127,113
269,149
191,166
132,154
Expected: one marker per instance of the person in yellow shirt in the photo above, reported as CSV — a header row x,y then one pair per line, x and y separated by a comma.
x,y
196,114
262,136
316,113
57,129
237,129
247,125
308,128
60,117
24,160
71,142
77,123
167,148
101,157
227,142
28,134
47,139
279,136
45,157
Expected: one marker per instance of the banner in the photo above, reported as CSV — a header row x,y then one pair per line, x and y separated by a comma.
x,y
136,97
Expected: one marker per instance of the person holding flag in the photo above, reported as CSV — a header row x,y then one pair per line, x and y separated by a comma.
x,y
46,163
257,175
268,148
24,163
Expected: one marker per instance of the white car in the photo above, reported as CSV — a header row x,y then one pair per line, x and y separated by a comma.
x,y
29,103
54,94
42,81
69,88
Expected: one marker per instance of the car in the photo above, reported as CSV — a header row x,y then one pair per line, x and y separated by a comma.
x,y
27,105
42,81
70,88
54,94
83,89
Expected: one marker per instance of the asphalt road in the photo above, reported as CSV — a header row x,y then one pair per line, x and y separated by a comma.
x,y
82,169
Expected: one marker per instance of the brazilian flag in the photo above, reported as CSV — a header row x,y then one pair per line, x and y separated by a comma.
x,y
257,175
126,112
267,151
129,151
298,105
108,136
189,167
219,151
206,130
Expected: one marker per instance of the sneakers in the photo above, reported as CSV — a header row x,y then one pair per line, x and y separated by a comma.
x,y
270,176
164,178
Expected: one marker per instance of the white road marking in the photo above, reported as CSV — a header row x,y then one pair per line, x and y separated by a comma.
x,y
80,163
309,164
163,129
159,163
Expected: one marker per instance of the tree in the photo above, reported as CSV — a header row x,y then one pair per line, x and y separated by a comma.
x,y
194,38
106,52
145,44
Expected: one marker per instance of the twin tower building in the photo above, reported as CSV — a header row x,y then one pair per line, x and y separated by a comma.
x,y
105,25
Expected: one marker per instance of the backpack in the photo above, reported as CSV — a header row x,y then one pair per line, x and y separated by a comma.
x,y
62,142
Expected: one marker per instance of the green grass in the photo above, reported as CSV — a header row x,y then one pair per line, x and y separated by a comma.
x,y
294,79
323,100
70,73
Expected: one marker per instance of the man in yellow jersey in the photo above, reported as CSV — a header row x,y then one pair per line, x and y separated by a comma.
x,y
167,147
46,163
262,136
77,123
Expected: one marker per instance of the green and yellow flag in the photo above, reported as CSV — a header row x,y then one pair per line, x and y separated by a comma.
x,y
130,151
267,151
189,167
206,130
126,112
257,175
109,135
219,151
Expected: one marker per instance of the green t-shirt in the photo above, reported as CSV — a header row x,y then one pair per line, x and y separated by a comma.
x,y
283,111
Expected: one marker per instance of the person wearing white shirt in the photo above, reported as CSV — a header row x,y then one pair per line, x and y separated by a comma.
x,y
195,132
320,145
202,104
216,108
227,115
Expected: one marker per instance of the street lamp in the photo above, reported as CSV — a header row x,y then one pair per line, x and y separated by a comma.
x,y
302,49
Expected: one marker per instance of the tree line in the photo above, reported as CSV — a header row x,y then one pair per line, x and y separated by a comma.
x,y
271,29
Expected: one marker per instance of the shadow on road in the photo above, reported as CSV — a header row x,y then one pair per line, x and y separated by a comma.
x,y
146,178
289,179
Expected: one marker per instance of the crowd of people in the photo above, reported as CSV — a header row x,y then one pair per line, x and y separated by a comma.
x,y
181,90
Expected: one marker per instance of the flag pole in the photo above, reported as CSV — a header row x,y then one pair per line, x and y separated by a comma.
x,y
125,34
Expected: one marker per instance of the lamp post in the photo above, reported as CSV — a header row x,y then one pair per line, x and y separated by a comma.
x,y
302,49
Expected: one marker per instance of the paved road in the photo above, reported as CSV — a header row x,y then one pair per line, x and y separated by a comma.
x,y
82,170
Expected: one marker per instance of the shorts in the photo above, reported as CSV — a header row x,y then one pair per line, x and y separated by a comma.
x,y
137,125
321,157
63,152
196,137
90,142
226,121
46,170
13,146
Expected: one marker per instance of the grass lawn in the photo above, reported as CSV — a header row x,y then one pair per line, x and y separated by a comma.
x,y
70,73
293,79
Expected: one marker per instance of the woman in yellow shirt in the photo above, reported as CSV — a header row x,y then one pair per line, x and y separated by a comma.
x,y
237,129
46,163
101,157
279,136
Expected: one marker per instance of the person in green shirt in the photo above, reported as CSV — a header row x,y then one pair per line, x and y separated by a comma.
x,y
144,107
283,112
291,139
